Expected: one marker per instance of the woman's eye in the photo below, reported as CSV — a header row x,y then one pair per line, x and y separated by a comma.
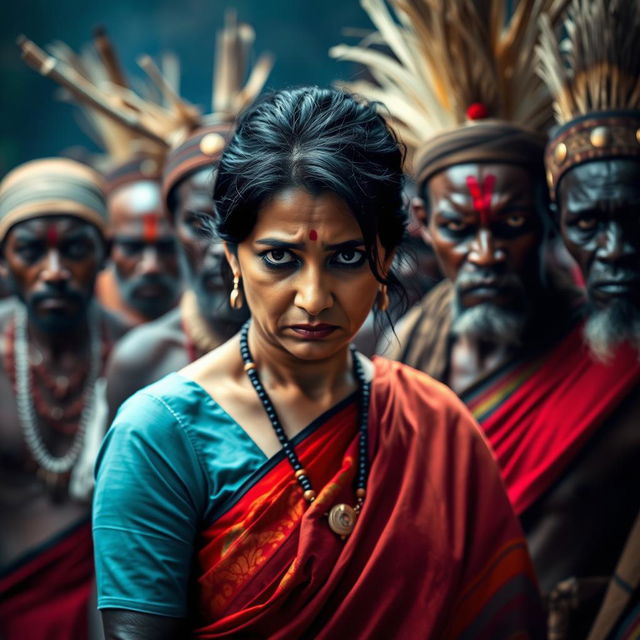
x,y
278,258
516,221
349,257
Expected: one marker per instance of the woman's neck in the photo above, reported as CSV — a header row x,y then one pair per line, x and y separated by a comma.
x,y
315,379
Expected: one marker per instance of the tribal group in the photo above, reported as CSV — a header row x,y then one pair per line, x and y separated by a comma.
x,y
332,362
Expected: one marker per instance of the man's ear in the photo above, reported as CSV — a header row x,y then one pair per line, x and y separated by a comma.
x,y
421,215
232,259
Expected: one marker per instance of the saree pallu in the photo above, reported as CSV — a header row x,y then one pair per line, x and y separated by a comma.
x,y
540,412
435,553
46,595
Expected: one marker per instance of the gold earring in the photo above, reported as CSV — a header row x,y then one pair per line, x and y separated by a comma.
x,y
235,297
383,298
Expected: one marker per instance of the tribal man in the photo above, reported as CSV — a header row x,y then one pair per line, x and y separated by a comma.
x,y
505,330
143,279
205,318
144,255
52,395
593,169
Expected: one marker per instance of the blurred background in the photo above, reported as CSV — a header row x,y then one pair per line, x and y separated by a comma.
x,y
35,124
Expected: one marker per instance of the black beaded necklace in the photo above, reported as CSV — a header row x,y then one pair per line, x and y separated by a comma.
x,y
342,517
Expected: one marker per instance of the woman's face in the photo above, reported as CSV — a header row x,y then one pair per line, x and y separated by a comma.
x,y
305,274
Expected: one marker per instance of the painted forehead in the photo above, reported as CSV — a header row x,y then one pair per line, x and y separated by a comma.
x,y
505,177
616,179
136,198
60,225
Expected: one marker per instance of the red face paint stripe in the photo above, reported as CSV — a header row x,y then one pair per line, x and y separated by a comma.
x,y
313,235
150,228
481,196
52,236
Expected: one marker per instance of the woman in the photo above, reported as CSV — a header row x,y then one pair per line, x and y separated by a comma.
x,y
284,486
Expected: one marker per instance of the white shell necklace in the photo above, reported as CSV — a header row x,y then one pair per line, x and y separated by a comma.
x,y
26,410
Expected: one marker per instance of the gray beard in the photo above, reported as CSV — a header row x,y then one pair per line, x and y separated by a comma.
x,y
489,323
606,328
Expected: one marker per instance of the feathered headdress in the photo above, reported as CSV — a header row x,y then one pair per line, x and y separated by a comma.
x,y
449,62
594,76
125,118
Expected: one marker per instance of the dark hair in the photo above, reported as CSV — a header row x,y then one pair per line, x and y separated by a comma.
x,y
319,140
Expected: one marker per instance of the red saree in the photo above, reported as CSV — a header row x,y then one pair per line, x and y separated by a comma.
x,y
539,413
46,597
436,552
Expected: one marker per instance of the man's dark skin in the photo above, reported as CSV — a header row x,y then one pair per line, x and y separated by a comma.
x,y
494,251
565,537
144,253
55,282
599,206
162,347
580,526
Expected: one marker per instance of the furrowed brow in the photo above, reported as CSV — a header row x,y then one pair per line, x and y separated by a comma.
x,y
342,246
280,244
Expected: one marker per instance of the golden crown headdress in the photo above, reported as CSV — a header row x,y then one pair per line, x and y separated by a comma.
x,y
594,75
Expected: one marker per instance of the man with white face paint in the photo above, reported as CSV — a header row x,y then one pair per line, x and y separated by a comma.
x,y
144,254
502,331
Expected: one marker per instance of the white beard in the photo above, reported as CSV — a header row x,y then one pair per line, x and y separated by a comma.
x,y
490,323
606,328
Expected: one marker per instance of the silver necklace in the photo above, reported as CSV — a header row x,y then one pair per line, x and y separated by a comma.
x,y
26,410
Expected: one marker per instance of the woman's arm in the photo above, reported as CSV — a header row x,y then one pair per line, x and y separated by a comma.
x,y
132,625
150,492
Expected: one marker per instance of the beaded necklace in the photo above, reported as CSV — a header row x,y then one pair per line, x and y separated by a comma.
x,y
342,517
53,466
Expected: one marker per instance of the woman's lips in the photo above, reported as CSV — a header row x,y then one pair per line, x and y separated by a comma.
x,y
313,331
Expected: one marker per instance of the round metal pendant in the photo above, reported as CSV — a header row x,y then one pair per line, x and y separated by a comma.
x,y
342,519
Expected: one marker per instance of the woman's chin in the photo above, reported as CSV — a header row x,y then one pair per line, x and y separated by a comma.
x,y
314,349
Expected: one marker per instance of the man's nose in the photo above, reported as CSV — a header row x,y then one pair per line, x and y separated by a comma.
x,y
150,263
54,269
484,251
612,244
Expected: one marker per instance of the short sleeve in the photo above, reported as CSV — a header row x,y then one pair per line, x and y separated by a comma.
x,y
150,493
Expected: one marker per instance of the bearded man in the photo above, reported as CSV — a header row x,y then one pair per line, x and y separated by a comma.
x,y
205,317
52,394
143,282
593,170
505,331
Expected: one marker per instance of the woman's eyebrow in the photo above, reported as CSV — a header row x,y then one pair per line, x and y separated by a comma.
x,y
348,244
281,244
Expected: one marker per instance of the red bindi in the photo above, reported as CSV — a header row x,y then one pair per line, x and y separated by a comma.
x,y
313,235
150,228
52,236
481,195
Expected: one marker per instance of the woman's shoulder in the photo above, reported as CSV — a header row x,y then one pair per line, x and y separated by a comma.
x,y
402,378
420,401
166,398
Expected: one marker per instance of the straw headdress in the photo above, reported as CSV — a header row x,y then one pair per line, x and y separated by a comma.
x,y
450,64
594,75
128,119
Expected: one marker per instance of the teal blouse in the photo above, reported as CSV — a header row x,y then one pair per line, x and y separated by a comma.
x,y
172,463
